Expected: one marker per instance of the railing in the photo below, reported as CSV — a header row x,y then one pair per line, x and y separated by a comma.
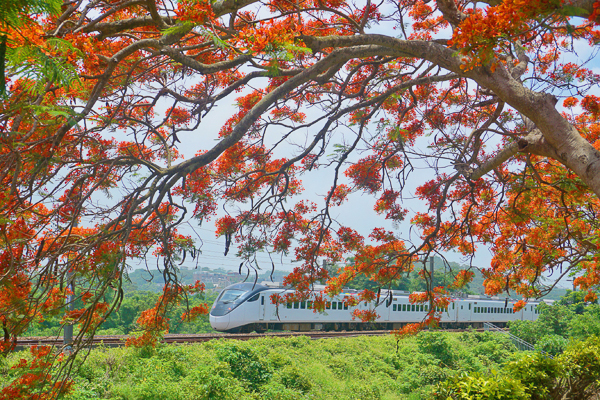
x,y
517,341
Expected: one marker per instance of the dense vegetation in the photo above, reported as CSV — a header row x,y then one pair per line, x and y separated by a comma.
x,y
569,318
294,368
469,365
124,320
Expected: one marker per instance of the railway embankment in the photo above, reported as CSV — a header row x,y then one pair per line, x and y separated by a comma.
x,y
377,367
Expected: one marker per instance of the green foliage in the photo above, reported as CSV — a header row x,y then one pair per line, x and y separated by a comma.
x,y
123,321
245,364
581,366
15,13
575,300
292,378
552,344
529,331
586,323
12,11
479,387
277,391
436,344
34,64
487,348
365,368
568,318
536,372
574,374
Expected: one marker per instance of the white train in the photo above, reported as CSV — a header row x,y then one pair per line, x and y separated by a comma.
x,y
246,307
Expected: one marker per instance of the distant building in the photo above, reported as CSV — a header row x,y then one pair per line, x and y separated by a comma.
x,y
218,280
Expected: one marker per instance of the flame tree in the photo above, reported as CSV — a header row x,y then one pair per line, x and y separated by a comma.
x,y
101,96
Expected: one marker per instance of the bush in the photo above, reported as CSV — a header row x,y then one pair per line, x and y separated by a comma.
x,y
529,331
552,344
292,378
537,372
216,383
245,364
436,344
277,391
575,374
581,366
586,324
476,386
363,391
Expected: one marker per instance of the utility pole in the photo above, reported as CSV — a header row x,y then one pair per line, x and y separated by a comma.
x,y
68,329
431,267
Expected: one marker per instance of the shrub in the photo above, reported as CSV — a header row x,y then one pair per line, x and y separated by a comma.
x,y
363,391
245,364
537,373
436,344
292,378
552,344
277,391
581,365
215,383
476,386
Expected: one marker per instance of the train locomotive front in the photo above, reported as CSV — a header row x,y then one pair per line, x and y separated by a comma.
x,y
232,308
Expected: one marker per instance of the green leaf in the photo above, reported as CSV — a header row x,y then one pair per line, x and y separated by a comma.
x,y
572,11
183,27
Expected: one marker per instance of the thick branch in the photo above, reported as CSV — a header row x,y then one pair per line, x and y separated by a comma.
x,y
570,148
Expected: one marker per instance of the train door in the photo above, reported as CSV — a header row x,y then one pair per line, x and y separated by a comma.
x,y
387,309
469,311
261,308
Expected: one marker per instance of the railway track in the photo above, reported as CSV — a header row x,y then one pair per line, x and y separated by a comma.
x,y
119,340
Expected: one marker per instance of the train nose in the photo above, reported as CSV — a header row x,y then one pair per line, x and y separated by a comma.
x,y
219,323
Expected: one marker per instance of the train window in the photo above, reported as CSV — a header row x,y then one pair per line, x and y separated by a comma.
x,y
262,301
254,298
461,307
328,306
365,303
422,307
339,305
469,306
303,305
413,307
289,305
403,307
334,305
296,305
345,306
394,307
426,307
453,306
309,305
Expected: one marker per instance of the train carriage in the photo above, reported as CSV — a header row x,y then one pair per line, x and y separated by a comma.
x,y
247,307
